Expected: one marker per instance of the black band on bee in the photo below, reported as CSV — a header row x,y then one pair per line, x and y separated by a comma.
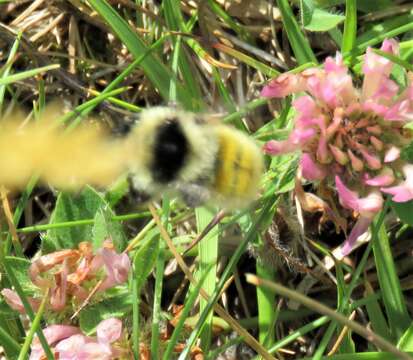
x,y
170,151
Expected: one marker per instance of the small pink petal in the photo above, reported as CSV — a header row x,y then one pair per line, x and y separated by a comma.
x,y
117,268
386,90
335,64
336,123
373,162
53,334
296,140
282,86
95,351
59,292
378,144
385,178
400,193
306,106
378,109
68,348
323,155
13,300
356,163
404,191
392,154
361,226
310,169
400,111
109,330
349,199
371,204
368,205
390,46
375,129
340,156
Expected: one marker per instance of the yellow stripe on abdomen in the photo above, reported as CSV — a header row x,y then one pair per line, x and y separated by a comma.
x,y
224,175
238,165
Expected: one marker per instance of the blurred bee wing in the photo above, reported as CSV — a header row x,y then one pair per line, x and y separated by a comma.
x,y
66,160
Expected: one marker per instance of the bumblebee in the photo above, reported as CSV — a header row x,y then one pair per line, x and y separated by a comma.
x,y
201,160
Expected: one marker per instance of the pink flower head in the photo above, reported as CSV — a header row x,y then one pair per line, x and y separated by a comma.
x,y
350,137
53,335
69,343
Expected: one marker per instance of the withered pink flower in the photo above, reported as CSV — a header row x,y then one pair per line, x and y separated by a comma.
x,y
71,275
350,138
13,300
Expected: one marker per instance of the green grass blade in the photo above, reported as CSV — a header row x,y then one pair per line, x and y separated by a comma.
x,y
266,307
266,210
156,309
323,309
10,345
33,328
175,21
208,254
384,30
376,316
5,71
394,302
313,325
153,67
406,341
350,26
298,41
27,74
233,24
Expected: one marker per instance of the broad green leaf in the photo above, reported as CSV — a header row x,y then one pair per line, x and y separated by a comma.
x,y
71,207
21,271
105,228
116,306
145,257
404,211
322,20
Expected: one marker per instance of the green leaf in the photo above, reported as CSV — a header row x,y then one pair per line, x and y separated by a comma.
x,y
208,256
145,257
350,26
21,271
322,20
404,211
117,191
69,208
116,306
106,228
